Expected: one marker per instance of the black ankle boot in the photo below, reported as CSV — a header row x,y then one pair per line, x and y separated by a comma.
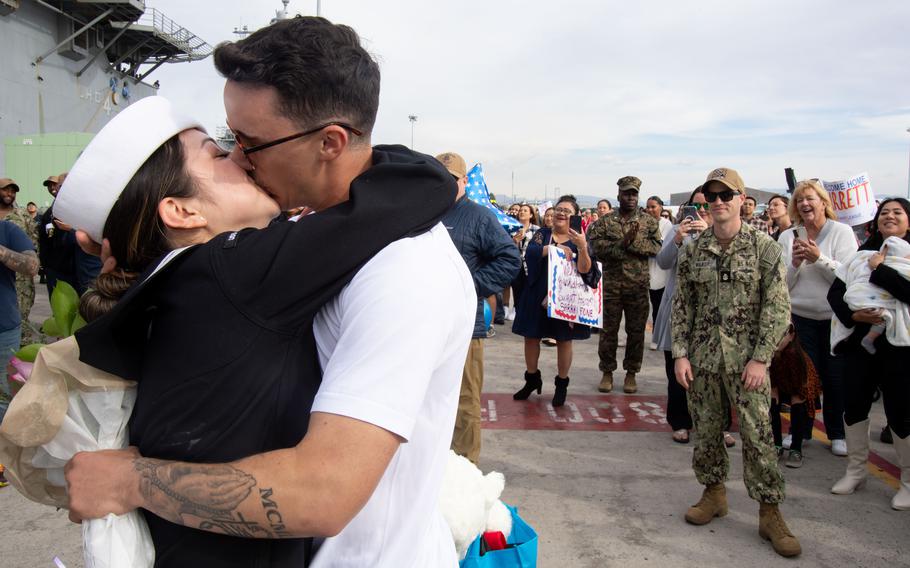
x,y
559,397
533,382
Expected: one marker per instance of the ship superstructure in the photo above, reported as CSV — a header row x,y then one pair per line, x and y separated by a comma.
x,y
69,66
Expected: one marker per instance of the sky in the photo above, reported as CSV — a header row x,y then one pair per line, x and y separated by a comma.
x,y
567,97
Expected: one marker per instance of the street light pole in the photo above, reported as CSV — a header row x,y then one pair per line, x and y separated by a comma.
x,y
413,119
908,174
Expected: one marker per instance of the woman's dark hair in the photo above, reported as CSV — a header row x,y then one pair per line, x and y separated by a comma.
x,y
569,199
696,191
783,198
657,199
319,70
876,239
136,233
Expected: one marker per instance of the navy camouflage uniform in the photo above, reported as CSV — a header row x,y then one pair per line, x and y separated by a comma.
x,y
25,284
731,306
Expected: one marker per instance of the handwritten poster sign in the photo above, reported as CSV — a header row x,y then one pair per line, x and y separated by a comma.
x,y
568,297
853,199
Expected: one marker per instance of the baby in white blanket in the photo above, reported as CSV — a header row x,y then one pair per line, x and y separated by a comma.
x,y
861,294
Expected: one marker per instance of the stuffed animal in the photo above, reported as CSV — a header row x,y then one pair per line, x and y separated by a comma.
x,y
470,503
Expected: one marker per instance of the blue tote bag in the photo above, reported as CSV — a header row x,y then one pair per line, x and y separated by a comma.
x,y
522,555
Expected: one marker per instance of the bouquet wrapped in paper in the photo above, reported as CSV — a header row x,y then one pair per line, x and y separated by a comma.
x,y
65,407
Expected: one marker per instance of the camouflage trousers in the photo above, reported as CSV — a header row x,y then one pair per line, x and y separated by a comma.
x,y
25,295
635,304
710,396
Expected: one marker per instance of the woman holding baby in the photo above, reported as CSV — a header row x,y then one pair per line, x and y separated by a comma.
x,y
883,365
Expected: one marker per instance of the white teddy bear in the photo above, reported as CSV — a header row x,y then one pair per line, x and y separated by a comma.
x,y
470,502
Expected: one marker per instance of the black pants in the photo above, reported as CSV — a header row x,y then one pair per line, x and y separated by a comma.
x,y
656,296
677,408
887,370
815,337
678,416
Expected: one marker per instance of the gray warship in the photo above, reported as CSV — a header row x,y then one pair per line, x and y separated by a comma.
x,y
68,67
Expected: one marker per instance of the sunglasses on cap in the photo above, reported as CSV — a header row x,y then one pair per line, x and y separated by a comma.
x,y
725,196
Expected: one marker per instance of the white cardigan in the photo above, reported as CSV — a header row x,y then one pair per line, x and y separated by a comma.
x,y
809,282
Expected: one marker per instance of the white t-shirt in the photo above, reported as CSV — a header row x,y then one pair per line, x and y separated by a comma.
x,y
392,346
657,274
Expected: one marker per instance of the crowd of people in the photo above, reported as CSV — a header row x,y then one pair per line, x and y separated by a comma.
x,y
781,293
345,433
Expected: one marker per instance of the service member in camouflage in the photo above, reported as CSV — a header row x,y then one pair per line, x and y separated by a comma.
x,y
623,241
730,311
25,285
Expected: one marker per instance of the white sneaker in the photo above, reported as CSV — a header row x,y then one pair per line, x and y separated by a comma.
x,y
510,314
788,440
653,346
839,447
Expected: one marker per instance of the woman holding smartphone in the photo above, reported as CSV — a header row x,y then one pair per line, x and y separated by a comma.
x,y
532,321
812,251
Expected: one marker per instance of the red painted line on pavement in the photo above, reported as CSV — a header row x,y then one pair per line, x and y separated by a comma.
x,y
606,412
582,412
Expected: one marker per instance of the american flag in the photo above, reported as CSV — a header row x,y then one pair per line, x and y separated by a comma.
x,y
478,193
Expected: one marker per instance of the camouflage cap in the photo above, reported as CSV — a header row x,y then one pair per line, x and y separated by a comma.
x,y
454,163
728,177
8,182
52,179
629,183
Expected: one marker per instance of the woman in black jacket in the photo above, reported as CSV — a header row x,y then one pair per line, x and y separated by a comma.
x,y
885,369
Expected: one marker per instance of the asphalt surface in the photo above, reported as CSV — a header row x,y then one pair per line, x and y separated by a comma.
x,y
609,497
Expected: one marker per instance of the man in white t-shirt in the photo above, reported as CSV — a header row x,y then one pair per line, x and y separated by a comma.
x,y
392,344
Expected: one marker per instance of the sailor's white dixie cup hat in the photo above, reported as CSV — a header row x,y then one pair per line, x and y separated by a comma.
x,y
111,160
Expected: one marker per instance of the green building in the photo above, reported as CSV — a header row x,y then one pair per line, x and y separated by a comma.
x,y
31,159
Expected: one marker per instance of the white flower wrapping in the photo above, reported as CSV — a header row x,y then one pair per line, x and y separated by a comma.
x,y
67,407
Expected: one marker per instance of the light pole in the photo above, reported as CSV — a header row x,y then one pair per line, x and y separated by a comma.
x,y
413,119
908,174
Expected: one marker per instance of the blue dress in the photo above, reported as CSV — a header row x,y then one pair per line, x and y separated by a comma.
x,y
531,316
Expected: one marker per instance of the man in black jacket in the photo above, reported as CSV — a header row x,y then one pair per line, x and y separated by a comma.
x,y
494,261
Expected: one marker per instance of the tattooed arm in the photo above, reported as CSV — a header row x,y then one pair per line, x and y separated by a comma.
x,y
313,489
25,262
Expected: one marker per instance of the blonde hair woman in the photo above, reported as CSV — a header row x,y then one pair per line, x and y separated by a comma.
x,y
813,249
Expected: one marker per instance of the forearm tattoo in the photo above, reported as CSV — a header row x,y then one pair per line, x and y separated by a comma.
x,y
208,497
24,262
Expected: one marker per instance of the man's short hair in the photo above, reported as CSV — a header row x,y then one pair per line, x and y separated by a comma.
x,y
752,199
319,69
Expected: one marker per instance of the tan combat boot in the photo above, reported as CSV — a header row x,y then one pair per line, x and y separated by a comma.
x,y
713,503
606,383
629,386
771,526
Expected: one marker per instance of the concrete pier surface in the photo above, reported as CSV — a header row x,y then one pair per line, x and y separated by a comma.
x,y
603,484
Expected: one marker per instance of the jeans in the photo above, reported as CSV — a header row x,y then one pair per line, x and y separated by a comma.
x,y
815,337
9,344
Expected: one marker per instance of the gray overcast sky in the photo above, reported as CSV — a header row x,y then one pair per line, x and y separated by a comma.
x,y
576,94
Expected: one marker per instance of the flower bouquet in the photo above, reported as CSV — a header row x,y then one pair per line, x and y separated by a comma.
x,y
63,406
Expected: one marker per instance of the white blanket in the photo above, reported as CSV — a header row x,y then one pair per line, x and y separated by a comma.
x,y
855,273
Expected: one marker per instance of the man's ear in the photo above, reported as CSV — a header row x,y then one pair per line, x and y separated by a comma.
x,y
179,213
334,141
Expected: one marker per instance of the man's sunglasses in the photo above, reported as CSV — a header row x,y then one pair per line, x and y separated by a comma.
x,y
725,196
247,151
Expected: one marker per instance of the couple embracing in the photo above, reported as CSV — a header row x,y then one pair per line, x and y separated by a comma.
x,y
292,382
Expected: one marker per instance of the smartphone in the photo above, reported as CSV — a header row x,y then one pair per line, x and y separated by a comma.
x,y
575,223
801,233
689,212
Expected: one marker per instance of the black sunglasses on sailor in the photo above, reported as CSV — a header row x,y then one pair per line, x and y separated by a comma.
x,y
248,151
725,196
